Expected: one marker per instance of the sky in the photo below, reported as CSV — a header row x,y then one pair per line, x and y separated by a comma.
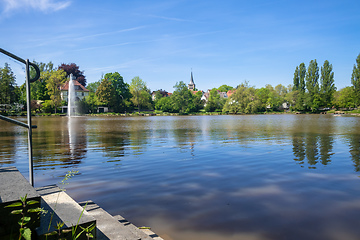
x,y
162,41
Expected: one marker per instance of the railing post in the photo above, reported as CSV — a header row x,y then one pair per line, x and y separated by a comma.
x,y
28,95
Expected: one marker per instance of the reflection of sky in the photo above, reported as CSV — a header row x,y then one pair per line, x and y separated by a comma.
x,y
212,177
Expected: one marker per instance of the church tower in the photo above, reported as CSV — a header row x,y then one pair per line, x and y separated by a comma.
x,y
191,85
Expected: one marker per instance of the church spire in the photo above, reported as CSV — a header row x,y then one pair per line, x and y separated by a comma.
x,y
191,85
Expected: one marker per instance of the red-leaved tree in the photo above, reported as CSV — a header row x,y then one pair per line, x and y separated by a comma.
x,y
74,69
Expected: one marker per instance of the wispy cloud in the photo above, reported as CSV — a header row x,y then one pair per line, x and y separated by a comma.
x,y
170,18
42,5
108,33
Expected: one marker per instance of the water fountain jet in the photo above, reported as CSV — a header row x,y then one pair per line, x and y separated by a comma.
x,y
71,97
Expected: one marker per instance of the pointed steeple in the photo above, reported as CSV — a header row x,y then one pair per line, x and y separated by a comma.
x,y
191,85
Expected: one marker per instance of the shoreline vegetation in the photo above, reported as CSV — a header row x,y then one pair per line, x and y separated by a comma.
x,y
354,112
312,90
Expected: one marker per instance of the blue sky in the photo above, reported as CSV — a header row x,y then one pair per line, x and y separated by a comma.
x,y
223,42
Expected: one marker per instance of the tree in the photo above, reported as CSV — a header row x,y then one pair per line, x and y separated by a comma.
x,y
296,79
197,103
263,96
7,86
38,88
281,92
122,92
344,98
225,88
312,86
298,94
164,104
243,100
355,80
92,87
88,104
327,88
74,69
213,102
181,98
54,80
106,93
140,93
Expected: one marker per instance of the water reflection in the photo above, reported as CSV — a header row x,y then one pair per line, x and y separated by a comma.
x,y
354,141
59,142
210,177
312,148
9,142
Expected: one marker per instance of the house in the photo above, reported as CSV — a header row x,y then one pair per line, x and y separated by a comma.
x,y
230,92
206,95
162,92
80,91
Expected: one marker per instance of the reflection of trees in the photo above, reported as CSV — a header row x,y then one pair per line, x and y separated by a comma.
x,y
326,145
138,136
355,150
113,144
8,142
299,149
311,150
59,141
312,146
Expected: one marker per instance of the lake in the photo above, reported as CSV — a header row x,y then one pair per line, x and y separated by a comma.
x,y
253,177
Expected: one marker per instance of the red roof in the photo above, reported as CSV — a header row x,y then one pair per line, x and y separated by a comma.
x,y
230,92
80,87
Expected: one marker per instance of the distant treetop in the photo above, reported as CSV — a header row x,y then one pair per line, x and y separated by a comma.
x,y
74,69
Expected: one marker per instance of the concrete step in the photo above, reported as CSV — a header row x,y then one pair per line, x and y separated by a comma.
x,y
13,185
65,210
131,226
109,228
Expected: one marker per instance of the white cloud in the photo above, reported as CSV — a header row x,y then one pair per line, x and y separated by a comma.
x,y
42,5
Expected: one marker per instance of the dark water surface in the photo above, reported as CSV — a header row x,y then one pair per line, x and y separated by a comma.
x,y
205,177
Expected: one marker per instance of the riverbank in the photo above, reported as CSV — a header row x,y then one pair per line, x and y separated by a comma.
x,y
147,114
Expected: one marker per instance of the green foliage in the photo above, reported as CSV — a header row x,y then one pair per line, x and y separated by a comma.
x,y
92,87
312,86
88,104
225,88
344,98
106,93
355,80
185,101
327,88
297,96
54,80
164,104
244,100
213,102
28,216
121,99
8,92
47,106
38,88
140,94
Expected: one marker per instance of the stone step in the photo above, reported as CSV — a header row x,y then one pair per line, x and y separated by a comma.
x,y
61,209
109,228
13,185
147,231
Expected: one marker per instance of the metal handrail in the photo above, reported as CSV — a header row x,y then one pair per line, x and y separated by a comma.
x,y
37,76
28,98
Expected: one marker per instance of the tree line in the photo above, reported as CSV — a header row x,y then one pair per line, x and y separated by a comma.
x,y
312,90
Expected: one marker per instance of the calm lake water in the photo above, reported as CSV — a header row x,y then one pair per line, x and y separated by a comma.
x,y
205,177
